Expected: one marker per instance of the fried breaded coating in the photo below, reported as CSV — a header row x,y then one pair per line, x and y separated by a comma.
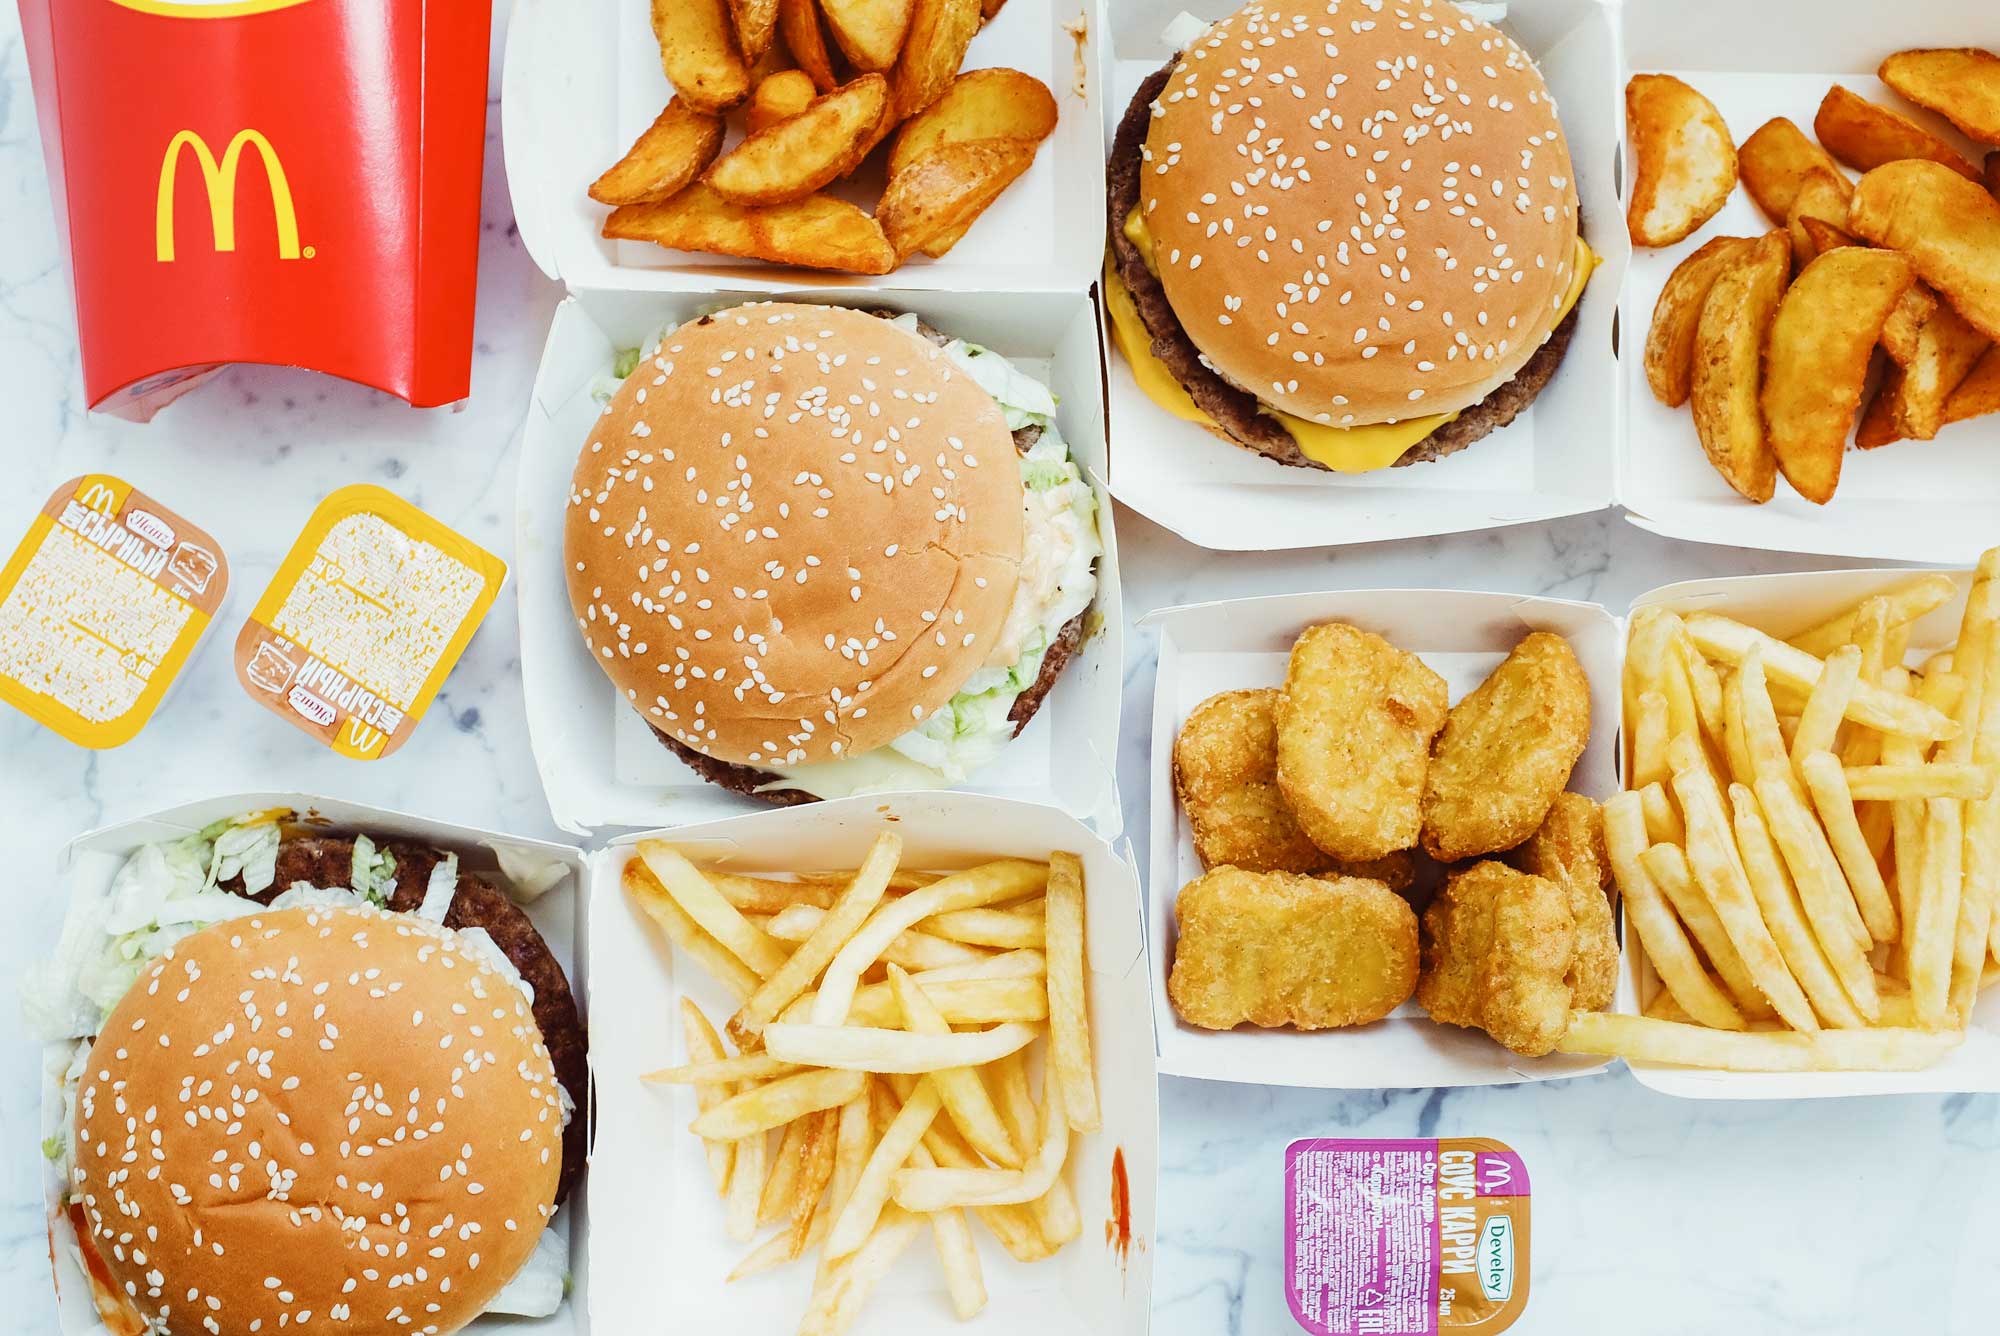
x,y
1497,948
1355,723
1569,851
1506,751
1226,775
1275,948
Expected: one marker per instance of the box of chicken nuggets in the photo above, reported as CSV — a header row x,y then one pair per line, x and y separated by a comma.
x,y
316,206
1376,855
941,144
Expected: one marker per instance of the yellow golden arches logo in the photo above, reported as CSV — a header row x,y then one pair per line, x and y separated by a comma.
x,y
206,9
219,178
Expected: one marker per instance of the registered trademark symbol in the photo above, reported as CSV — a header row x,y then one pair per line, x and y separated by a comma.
x,y
308,252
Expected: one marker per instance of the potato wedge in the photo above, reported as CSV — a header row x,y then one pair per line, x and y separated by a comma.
x,y
1684,160
940,31
947,188
1878,421
1670,341
869,32
1944,351
1728,365
990,9
1905,325
698,52
671,152
1816,361
755,23
1865,135
795,157
780,97
1824,235
1822,196
980,104
799,24
1774,163
1992,173
818,232
940,245
1948,226
1979,393
1962,85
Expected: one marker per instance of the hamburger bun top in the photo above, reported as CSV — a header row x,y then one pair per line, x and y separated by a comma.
x,y
326,1114
1362,211
794,534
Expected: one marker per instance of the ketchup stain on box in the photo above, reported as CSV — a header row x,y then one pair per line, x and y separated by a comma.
x,y
1405,1237
364,620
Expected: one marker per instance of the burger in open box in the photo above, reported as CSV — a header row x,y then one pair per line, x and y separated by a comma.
x,y
1344,233
826,551
308,1077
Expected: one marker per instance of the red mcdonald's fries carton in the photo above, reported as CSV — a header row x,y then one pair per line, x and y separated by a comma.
x,y
284,181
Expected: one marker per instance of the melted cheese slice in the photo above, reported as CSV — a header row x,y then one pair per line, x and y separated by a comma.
x,y
1342,449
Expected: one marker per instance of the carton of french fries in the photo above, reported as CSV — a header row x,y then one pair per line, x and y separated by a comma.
x,y
1808,845
871,1065
826,88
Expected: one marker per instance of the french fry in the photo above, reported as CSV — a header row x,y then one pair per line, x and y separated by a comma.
x,y
763,1107
843,1288
1009,929
706,906
781,1186
1684,162
1729,640
1641,1039
911,949
1718,869
672,151
1055,1210
1827,783
1667,865
1736,747
1649,741
720,1070
1669,356
1865,135
1863,746
1980,858
870,1193
704,1048
1663,820
960,1088
686,934
961,1002
746,1187
856,1048
832,933
1775,163
1013,1226
936,1189
964,1280
1942,779
1934,933
1962,85
987,884
1666,945
1778,900
1069,998
1826,706
698,52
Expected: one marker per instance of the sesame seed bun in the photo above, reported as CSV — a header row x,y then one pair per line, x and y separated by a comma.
x,y
1361,211
794,534
326,1116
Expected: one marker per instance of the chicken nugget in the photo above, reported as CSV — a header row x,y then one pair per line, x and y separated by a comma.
x,y
1355,723
1569,851
1497,949
1506,751
1275,949
1226,774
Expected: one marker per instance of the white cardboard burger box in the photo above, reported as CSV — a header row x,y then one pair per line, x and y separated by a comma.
x,y
90,861
1784,605
1557,459
599,763
1930,501
653,1204
582,78
1246,643
646,1199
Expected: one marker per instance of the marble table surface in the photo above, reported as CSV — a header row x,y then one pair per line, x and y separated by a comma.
x,y
1651,1214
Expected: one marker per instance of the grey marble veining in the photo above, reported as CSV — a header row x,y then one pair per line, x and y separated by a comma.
x,y
1650,1214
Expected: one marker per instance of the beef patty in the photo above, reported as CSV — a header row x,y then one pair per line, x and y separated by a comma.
x,y
328,861
1238,413
750,781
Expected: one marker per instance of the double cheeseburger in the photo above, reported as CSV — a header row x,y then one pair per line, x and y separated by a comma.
x,y
1344,232
822,551
315,1084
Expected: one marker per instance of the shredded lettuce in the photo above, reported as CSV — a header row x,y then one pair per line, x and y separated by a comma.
x,y
440,889
374,873
625,363
538,1288
481,944
249,851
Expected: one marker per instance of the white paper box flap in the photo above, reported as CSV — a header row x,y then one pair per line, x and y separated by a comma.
x,y
583,78
1558,459
1930,501
599,763
89,862
1246,643
1785,605
658,1201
